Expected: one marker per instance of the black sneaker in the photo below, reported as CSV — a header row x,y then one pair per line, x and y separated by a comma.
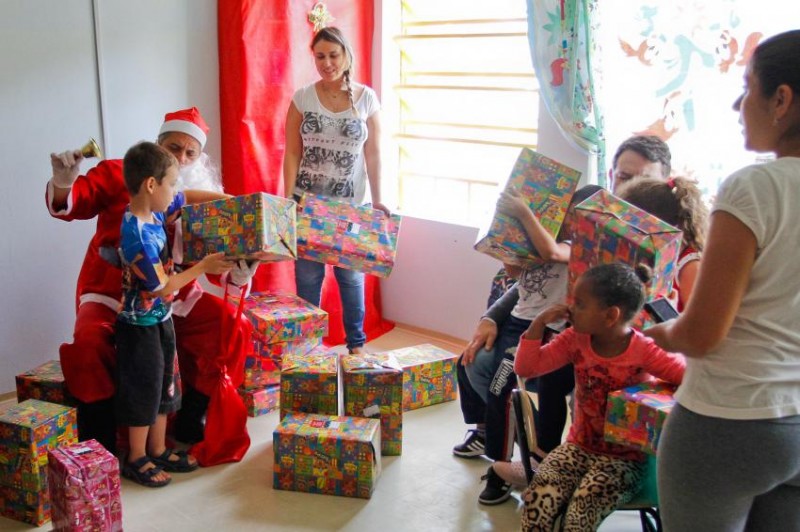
x,y
496,491
474,445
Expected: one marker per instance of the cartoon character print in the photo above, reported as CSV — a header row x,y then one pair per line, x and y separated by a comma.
x,y
534,281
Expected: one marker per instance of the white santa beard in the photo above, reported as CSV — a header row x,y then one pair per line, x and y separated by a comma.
x,y
200,175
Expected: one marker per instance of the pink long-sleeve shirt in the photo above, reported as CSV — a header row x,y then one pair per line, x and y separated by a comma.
x,y
595,376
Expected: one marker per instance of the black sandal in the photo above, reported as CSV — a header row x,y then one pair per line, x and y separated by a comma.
x,y
181,465
133,471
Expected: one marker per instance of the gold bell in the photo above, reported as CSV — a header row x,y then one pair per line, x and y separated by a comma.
x,y
91,149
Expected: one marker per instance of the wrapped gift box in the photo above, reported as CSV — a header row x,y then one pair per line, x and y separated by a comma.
x,y
635,415
429,375
28,430
260,401
44,382
266,354
337,232
255,226
547,186
309,383
284,318
327,454
259,378
84,488
608,229
373,387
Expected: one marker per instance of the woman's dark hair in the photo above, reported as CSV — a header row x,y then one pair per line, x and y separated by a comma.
x,y
776,62
618,285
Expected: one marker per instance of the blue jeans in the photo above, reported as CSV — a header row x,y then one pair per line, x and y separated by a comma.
x,y
308,278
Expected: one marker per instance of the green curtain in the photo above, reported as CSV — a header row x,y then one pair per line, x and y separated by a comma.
x,y
565,57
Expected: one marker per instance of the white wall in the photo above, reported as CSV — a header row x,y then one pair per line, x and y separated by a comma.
x,y
155,57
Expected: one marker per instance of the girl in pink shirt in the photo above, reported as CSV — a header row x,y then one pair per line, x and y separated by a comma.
x,y
587,478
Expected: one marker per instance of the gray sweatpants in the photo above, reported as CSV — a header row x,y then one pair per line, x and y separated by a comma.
x,y
729,475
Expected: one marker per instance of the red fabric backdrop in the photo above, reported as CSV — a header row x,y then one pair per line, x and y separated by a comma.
x,y
264,57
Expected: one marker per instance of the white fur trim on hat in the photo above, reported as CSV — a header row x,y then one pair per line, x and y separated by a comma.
x,y
183,126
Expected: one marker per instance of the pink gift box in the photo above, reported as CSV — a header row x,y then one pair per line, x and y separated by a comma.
x,y
340,233
84,488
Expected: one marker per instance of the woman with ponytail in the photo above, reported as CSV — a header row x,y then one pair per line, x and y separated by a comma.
x,y
333,149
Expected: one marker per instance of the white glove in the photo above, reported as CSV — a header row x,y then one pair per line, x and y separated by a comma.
x,y
66,167
242,272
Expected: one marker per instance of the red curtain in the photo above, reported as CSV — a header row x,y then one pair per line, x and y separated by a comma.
x,y
264,57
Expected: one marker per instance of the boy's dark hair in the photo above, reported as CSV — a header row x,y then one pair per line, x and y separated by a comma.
x,y
143,160
618,285
650,147
677,201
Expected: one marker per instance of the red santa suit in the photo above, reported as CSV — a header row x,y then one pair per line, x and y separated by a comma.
x,y
208,364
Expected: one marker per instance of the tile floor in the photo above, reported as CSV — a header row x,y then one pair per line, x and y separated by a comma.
x,y
425,489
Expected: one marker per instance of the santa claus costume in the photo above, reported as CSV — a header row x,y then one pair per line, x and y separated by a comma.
x,y
212,337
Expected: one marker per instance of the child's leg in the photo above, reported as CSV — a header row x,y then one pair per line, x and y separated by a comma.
x,y
138,439
553,485
608,483
157,436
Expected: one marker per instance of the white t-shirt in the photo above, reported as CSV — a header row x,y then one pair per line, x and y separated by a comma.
x,y
332,163
539,287
755,372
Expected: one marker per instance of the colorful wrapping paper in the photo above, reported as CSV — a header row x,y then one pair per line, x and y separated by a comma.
x,y
28,430
284,318
255,226
260,401
84,488
429,375
259,378
337,232
636,415
327,454
608,229
547,185
267,354
44,382
373,387
309,383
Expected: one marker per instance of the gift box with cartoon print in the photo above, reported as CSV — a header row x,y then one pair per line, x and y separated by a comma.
x,y
355,237
547,186
608,229
284,318
44,382
429,375
334,455
28,430
636,415
261,400
310,383
255,226
373,387
84,486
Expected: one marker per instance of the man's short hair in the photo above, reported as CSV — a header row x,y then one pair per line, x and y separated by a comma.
x,y
144,160
650,147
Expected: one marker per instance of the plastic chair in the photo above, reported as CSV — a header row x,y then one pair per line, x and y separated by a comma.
x,y
525,416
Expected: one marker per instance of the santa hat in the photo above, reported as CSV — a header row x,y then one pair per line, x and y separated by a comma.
x,y
187,121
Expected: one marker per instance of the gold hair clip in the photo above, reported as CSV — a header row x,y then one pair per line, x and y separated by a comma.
x,y
319,16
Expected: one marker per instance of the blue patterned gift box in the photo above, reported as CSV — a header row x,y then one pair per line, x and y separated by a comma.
x,y
373,387
28,430
310,383
255,226
334,455
547,186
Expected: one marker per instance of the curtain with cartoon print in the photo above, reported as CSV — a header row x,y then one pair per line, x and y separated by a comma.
x,y
565,58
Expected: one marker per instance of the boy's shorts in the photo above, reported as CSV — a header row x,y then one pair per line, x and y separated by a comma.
x,y
147,373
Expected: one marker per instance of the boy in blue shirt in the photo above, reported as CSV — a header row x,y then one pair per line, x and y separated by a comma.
x,y
148,383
